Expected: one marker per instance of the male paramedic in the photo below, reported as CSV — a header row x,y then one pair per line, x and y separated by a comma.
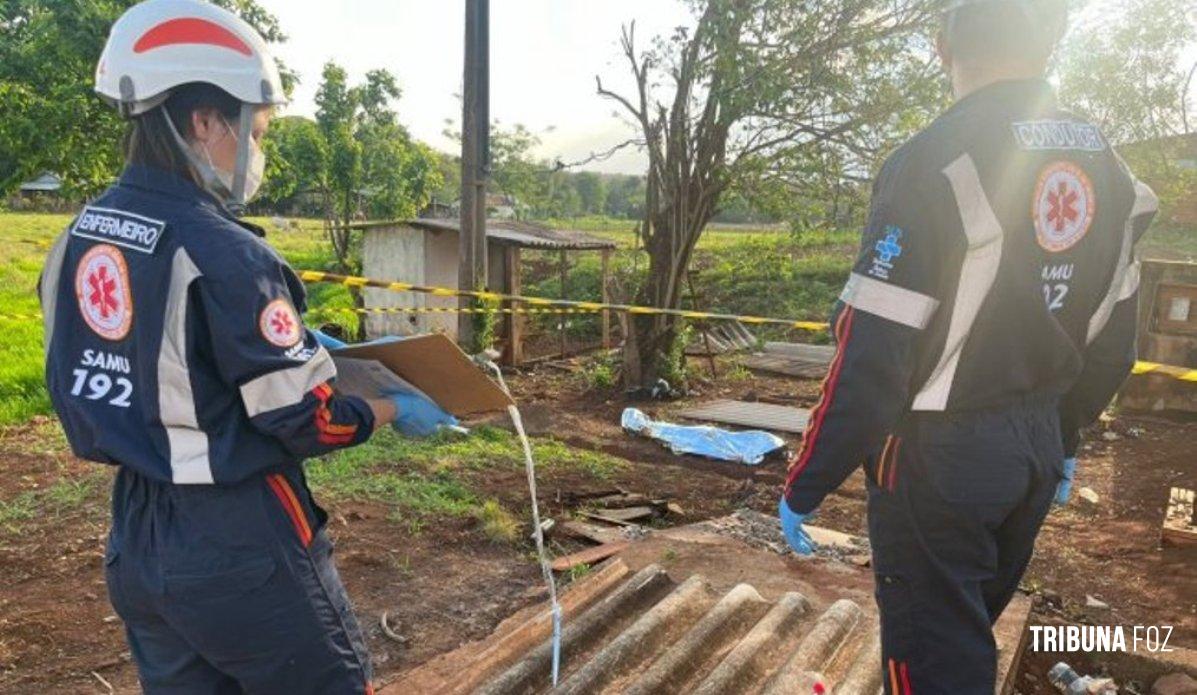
x,y
175,351
989,318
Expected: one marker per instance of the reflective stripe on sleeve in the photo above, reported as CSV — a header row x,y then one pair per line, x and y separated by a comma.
x,y
1125,281
287,387
890,302
189,462
977,276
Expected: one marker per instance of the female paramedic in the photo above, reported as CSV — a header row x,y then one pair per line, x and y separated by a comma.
x,y
175,351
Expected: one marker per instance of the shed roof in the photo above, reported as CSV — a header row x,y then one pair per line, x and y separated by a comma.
x,y
508,232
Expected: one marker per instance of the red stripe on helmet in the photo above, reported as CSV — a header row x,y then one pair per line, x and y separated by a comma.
x,y
190,30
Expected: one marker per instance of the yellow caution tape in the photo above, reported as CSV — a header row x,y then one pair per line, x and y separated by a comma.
x,y
1181,373
568,306
355,281
448,310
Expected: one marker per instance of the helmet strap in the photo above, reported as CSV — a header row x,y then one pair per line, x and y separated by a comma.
x,y
241,171
205,172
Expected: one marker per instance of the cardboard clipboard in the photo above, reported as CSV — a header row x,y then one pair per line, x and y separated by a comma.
x,y
435,365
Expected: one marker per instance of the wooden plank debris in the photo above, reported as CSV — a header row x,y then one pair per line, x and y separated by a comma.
x,y
603,516
763,416
624,499
628,513
1180,525
588,556
598,533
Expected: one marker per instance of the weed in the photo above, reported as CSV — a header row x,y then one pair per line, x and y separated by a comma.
x,y
599,375
578,572
497,523
64,496
738,373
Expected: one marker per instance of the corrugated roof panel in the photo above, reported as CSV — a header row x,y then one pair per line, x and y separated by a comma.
x,y
686,611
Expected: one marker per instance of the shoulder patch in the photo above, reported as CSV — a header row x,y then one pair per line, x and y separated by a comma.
x,y
280,325
118,227
102,287
1064,206
1059,135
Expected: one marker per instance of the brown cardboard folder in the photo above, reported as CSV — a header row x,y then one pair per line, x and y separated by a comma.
x,y
435,365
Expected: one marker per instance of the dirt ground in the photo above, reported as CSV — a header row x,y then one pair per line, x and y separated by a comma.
x,y
445,584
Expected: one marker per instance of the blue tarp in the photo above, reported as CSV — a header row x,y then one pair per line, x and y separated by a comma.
x,y
740,447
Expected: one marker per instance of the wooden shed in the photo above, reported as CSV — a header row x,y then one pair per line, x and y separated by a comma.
x,y
426,252
1167,334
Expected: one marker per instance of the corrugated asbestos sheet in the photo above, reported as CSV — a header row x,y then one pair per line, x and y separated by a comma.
x,y
523,234
793,359
761,416
688,611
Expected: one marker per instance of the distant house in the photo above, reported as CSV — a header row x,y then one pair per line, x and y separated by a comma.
x,y
46,183
42,193
499,206
437,210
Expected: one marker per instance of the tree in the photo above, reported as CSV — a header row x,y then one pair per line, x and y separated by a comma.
x,y
296,163
50,119
592,192
625,197
516,172
373,166
1125,72
760,90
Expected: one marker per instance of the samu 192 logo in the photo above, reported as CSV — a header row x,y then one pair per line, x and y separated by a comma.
x,y
887,250
102,288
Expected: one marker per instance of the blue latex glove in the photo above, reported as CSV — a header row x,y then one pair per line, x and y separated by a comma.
x,y
791,526
329,342
1064,489
418,416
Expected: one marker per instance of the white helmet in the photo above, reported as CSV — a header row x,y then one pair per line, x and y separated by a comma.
x,y
158,45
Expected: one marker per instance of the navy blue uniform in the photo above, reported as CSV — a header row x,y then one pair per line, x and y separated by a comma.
x,y
175,350
989,318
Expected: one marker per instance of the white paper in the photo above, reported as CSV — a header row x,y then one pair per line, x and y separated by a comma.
x,y
1179,309
368,379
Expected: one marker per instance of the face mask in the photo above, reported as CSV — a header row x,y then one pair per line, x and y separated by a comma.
x,y
253,176
219,181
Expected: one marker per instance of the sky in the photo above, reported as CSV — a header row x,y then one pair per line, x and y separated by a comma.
x,y
544,57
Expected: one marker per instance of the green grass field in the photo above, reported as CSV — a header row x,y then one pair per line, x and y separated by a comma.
x,y
744,271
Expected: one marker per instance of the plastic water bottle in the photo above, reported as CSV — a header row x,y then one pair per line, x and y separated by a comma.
x,y
1068,681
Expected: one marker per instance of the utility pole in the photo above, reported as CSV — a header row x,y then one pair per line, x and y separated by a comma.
x,y
475,159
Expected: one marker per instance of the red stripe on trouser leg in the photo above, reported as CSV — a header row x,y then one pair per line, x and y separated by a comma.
x,y
906,681
879,477
369,689
893,465
843,332
282,490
